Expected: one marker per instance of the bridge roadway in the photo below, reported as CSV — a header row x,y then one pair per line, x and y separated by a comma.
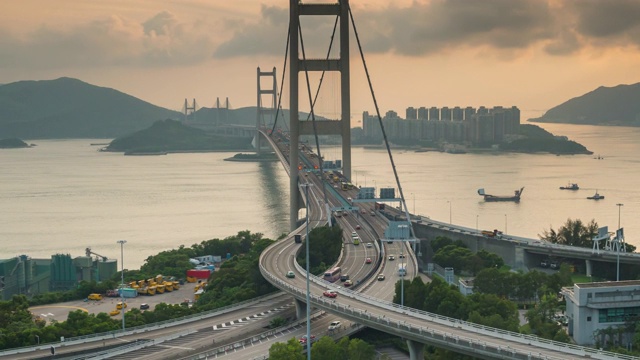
x,y
416,326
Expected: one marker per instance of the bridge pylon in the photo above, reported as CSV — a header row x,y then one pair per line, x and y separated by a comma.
x,y
261,110
341,127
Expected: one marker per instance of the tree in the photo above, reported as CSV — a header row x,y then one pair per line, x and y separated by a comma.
x,y
291,350
360,350
573,233
325,349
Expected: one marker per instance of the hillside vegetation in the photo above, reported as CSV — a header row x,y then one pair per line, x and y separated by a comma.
x,y
616,105
70,108
171,135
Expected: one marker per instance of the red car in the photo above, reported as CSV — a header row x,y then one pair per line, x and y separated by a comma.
x,y
357,227
367,261
330,293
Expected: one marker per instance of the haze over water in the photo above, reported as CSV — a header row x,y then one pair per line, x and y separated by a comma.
x,y
63,195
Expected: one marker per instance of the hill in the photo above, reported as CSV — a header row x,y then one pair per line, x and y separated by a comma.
x,y
70,108
12,143
616,105
171,135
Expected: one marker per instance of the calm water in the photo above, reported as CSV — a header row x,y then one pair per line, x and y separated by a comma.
x,y
63,196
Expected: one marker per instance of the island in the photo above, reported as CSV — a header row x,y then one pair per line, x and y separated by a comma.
x,y
13,143
167,136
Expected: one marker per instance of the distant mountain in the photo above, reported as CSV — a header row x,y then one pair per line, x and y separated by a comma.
x,y
618,105
171,135
70,108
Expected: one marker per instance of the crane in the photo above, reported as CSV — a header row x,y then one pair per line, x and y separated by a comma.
x,y
89,252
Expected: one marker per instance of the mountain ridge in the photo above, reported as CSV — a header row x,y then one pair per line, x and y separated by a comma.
x,y
615,106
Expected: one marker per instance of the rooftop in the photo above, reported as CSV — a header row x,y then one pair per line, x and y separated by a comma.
x,y
608,284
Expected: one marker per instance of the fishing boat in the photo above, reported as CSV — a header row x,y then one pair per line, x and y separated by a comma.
x,y
596,196
570,186
488,197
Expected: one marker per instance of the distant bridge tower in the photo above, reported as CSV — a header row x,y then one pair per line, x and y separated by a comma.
x,y
222,111
189,110
261,111
297,128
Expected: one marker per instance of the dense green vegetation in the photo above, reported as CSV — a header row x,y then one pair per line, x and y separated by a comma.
x,y
325,244
455,254
536,139
12,143
171,135
575,233
323,349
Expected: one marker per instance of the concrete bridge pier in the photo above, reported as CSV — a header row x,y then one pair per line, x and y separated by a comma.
x,y
416,350
588,267
301,309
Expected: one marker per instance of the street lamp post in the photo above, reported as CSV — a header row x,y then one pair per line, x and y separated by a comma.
x,y
477,222
122,242
619,205
414,203
38,338
505,223
306,194
449,211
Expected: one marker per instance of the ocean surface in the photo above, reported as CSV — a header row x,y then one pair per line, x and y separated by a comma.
x,y
63,196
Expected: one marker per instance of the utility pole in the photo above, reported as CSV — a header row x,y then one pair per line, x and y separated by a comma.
x,y
122,242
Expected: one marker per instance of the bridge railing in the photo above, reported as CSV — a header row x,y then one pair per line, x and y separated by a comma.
x,y
434,335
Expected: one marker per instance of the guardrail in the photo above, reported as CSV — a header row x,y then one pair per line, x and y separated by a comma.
x,y
438,337
140,329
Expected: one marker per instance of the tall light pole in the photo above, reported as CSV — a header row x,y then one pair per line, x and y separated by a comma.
x,y
449,211
306,195
414,203
477,222
122,242
619,205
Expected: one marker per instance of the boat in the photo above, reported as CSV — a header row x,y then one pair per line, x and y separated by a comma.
x,y
570,186
596,196
488,197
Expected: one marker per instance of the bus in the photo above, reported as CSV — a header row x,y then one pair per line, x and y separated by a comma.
x,y
332,275
402,269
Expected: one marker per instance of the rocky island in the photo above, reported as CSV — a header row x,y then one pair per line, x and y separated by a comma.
x,y
13,143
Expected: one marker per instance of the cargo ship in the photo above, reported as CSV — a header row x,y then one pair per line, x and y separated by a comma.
x,y
571,186
488,197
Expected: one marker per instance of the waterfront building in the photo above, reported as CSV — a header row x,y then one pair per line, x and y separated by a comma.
x,y
457,114
434,113
423,113
411,113
593,308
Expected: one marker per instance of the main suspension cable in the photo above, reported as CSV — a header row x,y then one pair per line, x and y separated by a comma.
x,y
284,70
384,134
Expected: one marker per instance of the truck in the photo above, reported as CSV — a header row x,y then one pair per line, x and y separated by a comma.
x,y
402,269
492,234
96,297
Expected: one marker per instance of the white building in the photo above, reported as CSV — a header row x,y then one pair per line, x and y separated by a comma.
x,y
597,306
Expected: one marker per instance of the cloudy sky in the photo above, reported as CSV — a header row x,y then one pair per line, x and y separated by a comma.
x,y
533,54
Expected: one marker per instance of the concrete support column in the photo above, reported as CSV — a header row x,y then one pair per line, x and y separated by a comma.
x,y
588,267
301,309
416,350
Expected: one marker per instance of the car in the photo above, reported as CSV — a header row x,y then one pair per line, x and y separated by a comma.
x,y
335,325
358,227
291,274
303,339
114,312
348,283
380,277
330,294
121,305
344,277
354,234
401,256
368,261
144,306
373,213
391,258
369,245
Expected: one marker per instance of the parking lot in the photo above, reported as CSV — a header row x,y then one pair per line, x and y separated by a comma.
x,y
60,311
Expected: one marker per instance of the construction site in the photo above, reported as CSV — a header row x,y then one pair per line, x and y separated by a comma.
x,y
23,275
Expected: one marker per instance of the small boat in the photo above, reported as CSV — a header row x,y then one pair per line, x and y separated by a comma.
x,y
570,186
596,196
488,197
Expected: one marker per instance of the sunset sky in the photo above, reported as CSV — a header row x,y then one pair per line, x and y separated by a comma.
x,y
533,54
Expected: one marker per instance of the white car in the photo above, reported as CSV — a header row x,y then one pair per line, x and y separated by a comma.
x,y
335,325
369,245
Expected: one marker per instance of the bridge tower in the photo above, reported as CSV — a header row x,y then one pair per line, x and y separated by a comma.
x,y
261,111
189,110
224,109
340,127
